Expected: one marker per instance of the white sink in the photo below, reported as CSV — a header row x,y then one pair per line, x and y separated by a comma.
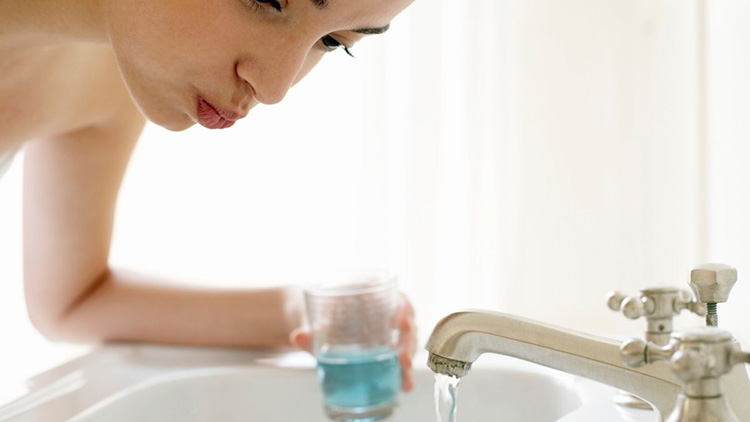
x,y
152,383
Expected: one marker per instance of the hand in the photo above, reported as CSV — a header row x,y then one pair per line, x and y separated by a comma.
x,y
407,343
302,338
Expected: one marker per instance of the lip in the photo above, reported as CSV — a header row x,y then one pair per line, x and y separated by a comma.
x,y
211,117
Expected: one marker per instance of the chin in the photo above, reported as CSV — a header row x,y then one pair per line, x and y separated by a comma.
x,y
162,111
171,122
176,127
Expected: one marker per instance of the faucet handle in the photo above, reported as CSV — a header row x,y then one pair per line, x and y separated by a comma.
x,y
632,307
738,357
659,305
689,302
660,302
636,352
712,284
698,357
695,354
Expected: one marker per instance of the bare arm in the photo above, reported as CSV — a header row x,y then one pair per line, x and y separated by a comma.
x,y
70,190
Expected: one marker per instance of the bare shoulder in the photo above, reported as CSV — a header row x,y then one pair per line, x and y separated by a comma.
x,y
50,92
104,123
86,159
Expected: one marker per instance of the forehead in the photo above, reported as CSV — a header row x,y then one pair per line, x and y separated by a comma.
x,y
361,13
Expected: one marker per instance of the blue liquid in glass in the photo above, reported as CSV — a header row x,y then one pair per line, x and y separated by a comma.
x,y
359,379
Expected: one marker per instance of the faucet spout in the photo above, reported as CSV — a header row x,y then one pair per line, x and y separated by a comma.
x,y
445,366
460,338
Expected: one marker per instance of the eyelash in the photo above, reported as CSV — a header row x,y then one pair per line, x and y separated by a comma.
x,y
328,42
331,44
273,3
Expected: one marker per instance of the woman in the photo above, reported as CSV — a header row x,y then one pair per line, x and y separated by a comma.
x,y
80,78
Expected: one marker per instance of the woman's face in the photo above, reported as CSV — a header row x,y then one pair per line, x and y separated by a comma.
x,y
210,61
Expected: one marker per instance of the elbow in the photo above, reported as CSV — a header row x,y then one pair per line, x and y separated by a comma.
x,y
45,307
47,323
43,311
59,327
58,319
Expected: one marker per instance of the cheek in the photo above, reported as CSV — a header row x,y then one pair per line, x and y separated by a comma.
x,y
159,67
172,38
150,92
163,105
135,42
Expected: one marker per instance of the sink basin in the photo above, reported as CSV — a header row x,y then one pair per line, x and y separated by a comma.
x,y
154,383
271,394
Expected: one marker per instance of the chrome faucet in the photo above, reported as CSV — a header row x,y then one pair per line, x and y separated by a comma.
x,y
460,338
707,354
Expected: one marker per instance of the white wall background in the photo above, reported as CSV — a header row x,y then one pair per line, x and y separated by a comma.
x,y
728,150
524,156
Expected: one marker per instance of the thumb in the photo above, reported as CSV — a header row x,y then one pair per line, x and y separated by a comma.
x,y
301,338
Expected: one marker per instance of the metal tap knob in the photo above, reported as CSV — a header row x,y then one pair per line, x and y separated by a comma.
x,y
632,307
712,284
659,305
698,358
636,352
694,354
689,302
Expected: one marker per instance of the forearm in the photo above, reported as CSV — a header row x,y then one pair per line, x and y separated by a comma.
x,y
129,307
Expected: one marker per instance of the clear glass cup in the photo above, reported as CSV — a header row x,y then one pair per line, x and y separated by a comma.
x,y
354,322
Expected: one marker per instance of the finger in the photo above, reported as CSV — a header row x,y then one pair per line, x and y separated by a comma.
x,y
408,336
407,310
408,347
407,375
301,338
408,341
407,382
407,325
406,360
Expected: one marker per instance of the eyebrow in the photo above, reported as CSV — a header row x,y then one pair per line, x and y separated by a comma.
x,y
322,4
369,31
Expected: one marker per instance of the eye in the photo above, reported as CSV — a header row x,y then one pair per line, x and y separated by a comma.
x,y
258,4
331,44
273,3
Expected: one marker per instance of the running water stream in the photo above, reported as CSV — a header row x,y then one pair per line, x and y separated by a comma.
x,y
446,387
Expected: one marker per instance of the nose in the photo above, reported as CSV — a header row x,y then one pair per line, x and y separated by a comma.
x,y
272,69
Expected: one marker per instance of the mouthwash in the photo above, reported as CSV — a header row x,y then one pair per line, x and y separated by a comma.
x,y
360,381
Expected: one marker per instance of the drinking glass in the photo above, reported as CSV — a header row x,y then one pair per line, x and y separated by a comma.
x,y
354,323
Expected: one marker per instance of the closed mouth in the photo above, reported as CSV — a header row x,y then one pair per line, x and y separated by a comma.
x,y
214,117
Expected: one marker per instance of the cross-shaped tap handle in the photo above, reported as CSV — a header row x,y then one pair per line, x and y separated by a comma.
x,y
659,305
699,358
